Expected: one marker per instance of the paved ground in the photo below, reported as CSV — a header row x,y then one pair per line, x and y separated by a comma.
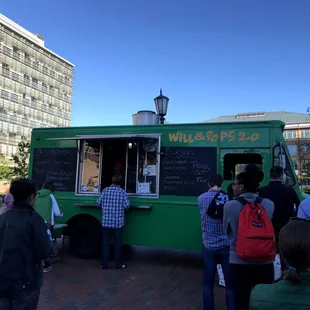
x,y
154,280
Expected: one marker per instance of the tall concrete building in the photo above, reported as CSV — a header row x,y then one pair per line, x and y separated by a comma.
x,y
35,86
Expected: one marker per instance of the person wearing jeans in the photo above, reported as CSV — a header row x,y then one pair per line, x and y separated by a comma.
x,y
114,202
210,260
215,244
116,233
285,200
245,274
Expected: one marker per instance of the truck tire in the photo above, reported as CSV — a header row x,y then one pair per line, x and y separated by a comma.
x,y
85,237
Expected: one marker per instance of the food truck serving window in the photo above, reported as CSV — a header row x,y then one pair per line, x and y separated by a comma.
x,y
135,158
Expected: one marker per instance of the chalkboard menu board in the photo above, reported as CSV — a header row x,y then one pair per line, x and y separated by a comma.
x,y
184,171
57,165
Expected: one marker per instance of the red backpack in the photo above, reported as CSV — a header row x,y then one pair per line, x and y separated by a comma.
x,y
256,237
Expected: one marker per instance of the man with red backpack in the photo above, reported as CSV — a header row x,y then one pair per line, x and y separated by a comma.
x,y
247,221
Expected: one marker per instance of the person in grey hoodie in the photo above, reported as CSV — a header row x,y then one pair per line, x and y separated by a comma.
x,y
244,274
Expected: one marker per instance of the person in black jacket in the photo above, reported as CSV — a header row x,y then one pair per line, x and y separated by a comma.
x,y
24,243
284,198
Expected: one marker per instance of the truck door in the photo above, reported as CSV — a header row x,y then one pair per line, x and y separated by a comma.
x,y
233,161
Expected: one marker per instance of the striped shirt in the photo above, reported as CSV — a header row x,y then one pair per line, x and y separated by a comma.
x,y
213,235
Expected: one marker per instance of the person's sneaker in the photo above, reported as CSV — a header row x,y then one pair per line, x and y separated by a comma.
x,y
47,269
104,266
121,266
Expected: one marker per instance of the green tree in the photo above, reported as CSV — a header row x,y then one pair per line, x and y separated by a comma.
x,y
21,160
5,169
303,149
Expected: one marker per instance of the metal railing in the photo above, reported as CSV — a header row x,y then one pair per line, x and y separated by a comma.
x,y
8,52
28,103
26,81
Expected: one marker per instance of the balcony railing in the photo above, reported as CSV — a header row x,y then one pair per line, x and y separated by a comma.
x,y
26,81
14,98
6,72
8,52
16,77
5,95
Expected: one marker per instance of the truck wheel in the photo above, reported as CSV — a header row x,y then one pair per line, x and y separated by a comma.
x,y
85,237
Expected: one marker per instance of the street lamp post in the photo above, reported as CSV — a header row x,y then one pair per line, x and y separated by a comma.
x,y
161,103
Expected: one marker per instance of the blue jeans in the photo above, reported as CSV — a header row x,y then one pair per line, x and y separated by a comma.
x,y
106,241
211,258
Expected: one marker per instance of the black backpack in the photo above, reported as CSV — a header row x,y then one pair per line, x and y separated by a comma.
x,y
216,207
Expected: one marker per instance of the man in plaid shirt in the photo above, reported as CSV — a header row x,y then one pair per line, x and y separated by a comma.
x,y
215,244
114,202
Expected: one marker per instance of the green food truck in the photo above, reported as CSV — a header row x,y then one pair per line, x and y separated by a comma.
x,y
165,169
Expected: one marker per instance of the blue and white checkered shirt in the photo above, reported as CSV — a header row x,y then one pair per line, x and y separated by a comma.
x,y
113,201
213,235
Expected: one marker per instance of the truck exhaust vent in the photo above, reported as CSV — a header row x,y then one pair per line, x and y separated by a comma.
x,y
145,118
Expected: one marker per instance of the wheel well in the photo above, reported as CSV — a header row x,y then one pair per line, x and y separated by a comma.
x,y
80,217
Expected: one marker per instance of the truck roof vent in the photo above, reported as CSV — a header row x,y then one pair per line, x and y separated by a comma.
x,y
145,118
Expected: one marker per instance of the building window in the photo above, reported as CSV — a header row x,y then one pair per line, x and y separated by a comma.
x,y
290,134
292,148
5,66
305,133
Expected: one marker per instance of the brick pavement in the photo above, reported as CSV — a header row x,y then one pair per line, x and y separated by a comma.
x,y
154,280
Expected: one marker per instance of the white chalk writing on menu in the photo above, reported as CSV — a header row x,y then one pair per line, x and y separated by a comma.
x,y
186,169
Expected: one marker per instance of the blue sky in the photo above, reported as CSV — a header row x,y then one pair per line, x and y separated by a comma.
x,y
210,57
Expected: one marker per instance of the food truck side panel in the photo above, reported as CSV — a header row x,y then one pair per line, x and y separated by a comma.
x,y
171,220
